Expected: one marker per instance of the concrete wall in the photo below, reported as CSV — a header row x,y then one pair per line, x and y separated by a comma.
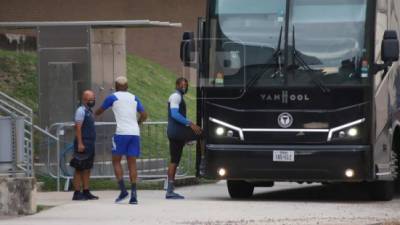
x,y
157,44
108,61
17,196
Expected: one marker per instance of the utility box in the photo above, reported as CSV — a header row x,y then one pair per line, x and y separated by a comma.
x,y
73,59
12,151
6,147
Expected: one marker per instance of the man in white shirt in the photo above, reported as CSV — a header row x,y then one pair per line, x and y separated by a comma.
x,y
126,141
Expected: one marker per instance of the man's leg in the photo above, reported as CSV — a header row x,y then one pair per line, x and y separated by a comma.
x,y
77,186
77,180
86,191
85,179
116,160
133,178
133,152
176,148
132,168
172,171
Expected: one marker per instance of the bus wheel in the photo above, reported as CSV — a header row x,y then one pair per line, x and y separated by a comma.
x,y
240,189
382,190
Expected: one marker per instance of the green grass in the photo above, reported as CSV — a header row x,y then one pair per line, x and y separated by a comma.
x,y
153,84
18,76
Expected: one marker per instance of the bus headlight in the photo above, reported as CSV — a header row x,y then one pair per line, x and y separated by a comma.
x,y
347,134
221,172
349,173
226,130
219,131
352,132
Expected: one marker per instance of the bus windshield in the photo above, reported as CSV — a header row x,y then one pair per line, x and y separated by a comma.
x,y
326,38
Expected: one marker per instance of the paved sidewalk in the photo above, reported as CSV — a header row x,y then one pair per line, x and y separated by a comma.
x,y
210,205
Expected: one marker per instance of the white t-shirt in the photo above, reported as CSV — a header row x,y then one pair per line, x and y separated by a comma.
x,y
125,107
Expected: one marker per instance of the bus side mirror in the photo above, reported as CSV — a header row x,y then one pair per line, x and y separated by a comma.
x,y
390,47
389,51
188,49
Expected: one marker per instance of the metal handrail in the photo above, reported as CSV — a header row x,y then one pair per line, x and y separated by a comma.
x,y
16,102
104,123
45,132
14,109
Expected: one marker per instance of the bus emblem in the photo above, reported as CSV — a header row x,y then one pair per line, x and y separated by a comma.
x,y
285,97
285,120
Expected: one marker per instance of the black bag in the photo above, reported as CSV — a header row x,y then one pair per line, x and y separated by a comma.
x,y
82,164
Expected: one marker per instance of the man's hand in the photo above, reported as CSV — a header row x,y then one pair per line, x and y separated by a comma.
x,y
81,148
142,117
98,112
196,129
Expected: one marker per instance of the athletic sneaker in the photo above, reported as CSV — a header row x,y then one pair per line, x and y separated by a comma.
x,y
133,200
89,195
173,195
122,196
79,196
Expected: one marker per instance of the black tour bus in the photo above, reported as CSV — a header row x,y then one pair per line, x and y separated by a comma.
x,y
298,90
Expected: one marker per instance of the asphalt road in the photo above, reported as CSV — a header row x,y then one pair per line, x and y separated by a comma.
x,y
210,204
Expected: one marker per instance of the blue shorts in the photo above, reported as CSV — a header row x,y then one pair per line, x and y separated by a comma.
x,y
127,145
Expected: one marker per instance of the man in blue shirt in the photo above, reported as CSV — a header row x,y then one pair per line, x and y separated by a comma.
x,y
180,131
84,147
126,141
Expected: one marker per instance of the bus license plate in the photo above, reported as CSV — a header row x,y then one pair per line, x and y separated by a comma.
x,y
283,156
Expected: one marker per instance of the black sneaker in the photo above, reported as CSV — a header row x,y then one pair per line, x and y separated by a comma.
x,y
121,197
79,196
173,195
133,200
90,196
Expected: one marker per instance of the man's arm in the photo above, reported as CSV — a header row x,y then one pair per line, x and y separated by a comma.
x,y
140,109
181,119
174,102
99,111
142,117
108,102
78,132
178,117
79,117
